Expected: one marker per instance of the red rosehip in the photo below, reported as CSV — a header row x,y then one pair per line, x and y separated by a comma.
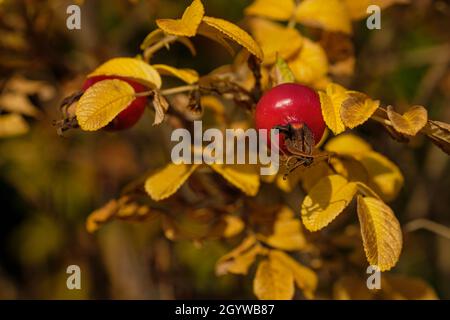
x,y
292,106
128,117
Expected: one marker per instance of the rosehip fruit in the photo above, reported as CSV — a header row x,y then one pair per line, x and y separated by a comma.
x,y
291,107
128,117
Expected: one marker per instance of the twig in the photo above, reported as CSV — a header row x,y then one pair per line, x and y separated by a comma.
x,y
159,45
429,225
174,90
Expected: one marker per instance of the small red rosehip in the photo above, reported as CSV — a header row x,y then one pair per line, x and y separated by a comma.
x,y
128,117
295,110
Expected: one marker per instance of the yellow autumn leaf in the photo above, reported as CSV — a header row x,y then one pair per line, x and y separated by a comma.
x,y
243,177
358,8
347,144
305,278
132,68
350,287
357,108
381,232
287,232
273,280
234,226
102,102
188,24
167,181
325,201
310,64
385,177
187,75
152,38
272,9
281,73
12,125
400,287
350,168
275,39
331,15
215,35
331,102
411,122
236,34
239,260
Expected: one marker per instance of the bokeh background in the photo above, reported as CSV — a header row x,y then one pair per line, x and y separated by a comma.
x,y
49,184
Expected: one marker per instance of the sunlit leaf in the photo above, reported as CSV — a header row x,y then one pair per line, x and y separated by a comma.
x,y
330,15
348,144
325,201
272,9
275,39
102,102
357,109
243,177
385,176
236,34
310,64
381,232
132,68
188,24
411,122
305,278
187,75
331,102
273,280
215,35
167,181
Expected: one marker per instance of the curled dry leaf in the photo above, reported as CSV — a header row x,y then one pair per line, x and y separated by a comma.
x,y
188,24
381,232
131,68
239,260
273,280
411,122
332,15
275,39
12,125
439,133
236,34
122,208
102,102
326,200
357,109
187,75
167,181
272,9
160,105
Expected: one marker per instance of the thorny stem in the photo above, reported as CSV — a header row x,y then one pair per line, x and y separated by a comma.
x,y
159,45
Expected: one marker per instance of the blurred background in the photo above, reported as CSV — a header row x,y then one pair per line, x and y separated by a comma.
x,y
50,184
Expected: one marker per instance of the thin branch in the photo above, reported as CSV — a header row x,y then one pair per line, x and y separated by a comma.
x,y
174,90
159,45
429,225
